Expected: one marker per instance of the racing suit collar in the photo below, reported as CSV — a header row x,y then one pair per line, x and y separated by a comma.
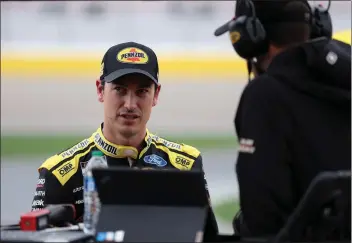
x,y
119,151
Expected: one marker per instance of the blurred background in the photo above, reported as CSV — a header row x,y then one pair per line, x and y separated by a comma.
x,y
50,58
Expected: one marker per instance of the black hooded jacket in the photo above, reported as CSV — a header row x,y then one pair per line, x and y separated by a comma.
x,y
292,122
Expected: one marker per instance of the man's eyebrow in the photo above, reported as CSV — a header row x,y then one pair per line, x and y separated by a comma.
x,y
120,84
145,85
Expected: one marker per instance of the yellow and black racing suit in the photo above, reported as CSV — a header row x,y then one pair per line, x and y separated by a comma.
x,y
61,176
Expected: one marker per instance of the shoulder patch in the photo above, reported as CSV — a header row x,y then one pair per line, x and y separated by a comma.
x,y
77,147
176,146
65,164
181,161
181,156
65,171
161,141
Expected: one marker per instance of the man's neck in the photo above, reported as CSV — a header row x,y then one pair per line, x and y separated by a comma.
x,y
117,138
268,57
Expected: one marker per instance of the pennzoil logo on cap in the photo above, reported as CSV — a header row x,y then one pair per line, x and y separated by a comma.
x,y
132,55
235,36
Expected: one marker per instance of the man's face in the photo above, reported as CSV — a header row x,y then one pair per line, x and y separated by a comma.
x,y
128,103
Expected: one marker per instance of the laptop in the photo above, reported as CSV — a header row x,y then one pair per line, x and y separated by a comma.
x,y
151,205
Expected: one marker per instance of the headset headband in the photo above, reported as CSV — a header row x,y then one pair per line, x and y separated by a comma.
x,y
282,16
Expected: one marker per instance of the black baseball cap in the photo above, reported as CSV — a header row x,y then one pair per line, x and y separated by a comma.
x,y
127,58
268,12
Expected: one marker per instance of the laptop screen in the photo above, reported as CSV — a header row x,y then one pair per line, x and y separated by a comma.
x,y
126,186
151,205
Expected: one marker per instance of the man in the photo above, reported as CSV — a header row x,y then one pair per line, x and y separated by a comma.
x,y
128,88
293,119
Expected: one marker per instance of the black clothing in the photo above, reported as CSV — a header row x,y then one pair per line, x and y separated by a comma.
x,y
61,176
292,122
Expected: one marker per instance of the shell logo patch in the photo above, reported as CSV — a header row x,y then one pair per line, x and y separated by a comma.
x,y
132,55
235,36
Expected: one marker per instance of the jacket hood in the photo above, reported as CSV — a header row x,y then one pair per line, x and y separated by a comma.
x,y
320,68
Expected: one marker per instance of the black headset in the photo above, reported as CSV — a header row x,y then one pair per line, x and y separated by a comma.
x,y
249,38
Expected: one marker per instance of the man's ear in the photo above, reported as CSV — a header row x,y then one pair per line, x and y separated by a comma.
x,y
100,90
156,95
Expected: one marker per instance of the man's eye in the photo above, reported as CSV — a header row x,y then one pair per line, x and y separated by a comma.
x,y
143,91
118,89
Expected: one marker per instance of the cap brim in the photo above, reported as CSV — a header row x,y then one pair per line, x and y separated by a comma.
x,y
222,29
122,72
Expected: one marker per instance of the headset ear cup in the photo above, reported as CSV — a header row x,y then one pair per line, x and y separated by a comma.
x,y
321,23
259,38
315,28
248,37
255,30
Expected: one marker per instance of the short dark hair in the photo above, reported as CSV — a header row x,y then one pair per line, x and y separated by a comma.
x,y
283,34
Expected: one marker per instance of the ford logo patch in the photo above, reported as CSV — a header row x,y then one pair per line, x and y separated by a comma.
x,y
155,160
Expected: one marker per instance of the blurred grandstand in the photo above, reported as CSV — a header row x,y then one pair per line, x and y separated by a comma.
x,y
93,22
185,24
